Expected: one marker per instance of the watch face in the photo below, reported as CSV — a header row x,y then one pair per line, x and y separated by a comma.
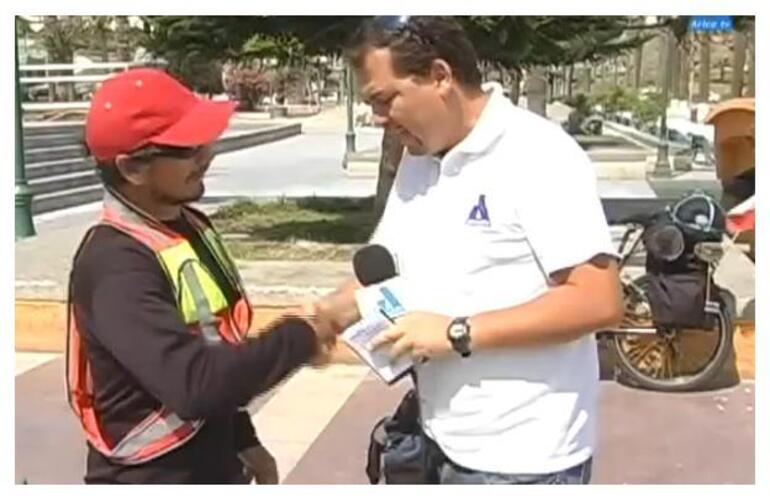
x,y
457,331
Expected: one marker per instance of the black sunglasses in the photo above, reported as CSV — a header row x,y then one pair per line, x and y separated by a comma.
x,y
155,151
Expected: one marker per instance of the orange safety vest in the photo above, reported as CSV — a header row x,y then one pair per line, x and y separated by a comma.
x,y
202,305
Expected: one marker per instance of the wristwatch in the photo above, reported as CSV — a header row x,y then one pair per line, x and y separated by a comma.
x,y
459,334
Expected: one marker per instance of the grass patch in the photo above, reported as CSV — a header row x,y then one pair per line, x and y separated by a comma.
x,y
296,229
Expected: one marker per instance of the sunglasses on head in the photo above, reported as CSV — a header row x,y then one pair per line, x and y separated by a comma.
x,y
390,23
399,25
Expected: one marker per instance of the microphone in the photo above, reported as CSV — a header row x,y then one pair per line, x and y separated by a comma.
x,y
373,264
375,269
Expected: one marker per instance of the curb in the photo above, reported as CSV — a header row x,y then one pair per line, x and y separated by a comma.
x,y
40,327
79,184
236,141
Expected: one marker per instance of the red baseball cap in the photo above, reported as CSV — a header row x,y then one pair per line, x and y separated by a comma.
x,y
146,106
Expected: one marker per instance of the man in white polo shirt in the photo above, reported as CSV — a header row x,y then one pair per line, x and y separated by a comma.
x,y
494,216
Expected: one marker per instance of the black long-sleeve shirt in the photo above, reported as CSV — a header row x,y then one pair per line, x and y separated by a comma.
x,y
142,356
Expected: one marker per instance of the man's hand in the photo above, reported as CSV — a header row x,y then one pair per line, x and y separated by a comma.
x,y
417,334
320,319
325,329
259,465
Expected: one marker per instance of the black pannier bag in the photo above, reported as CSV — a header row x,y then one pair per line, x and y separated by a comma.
x,y
677,279
397,446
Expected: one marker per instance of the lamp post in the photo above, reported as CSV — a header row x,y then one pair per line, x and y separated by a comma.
x,y
350,135
23,195
662,165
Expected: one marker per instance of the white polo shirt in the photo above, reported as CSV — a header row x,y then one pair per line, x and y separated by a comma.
x,y
479,230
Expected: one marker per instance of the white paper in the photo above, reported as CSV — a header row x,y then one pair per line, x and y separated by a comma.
x,y
360,334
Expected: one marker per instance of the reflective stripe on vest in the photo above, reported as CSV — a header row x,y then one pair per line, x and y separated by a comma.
x,y
202,306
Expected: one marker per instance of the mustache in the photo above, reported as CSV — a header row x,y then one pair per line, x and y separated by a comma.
x,y
198,173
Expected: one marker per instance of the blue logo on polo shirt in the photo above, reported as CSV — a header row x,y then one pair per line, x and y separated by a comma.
x,y
479,215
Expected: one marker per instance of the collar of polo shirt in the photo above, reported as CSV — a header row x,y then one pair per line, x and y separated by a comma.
x,y
487,130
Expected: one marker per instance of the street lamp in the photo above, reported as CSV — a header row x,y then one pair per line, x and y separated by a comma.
x,y
23,195
662,165
350,135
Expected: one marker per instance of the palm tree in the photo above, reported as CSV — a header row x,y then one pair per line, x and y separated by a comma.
x,y
704,68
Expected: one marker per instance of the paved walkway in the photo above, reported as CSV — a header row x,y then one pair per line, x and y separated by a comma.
x,y
317,424
318,416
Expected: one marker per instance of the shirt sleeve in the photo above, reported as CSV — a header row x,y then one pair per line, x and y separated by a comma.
x,y
559,208
245,434
123,298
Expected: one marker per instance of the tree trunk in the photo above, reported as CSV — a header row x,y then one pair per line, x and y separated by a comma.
x,y
615,74
536,86
570,78
739,61
104,46
629,65
549,86
704,67
392,151
638,52
515,86
662,48
586,79
122,29
684,74
752,63
676,68
564,82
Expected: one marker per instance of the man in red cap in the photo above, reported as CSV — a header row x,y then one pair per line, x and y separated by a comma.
x,y
159,367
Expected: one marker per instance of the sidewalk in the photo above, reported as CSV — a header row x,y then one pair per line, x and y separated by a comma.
x,y
317,425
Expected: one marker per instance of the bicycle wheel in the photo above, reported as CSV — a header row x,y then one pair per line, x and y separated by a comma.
x,y
673,360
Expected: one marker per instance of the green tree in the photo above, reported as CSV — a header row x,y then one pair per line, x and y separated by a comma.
x,y
515,43
196,47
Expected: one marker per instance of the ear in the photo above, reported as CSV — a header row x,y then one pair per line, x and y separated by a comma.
x,y
133,170
441,73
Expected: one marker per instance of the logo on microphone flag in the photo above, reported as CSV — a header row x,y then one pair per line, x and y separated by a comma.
x,y
389,304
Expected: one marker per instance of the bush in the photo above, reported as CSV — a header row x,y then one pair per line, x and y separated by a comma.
x,y
614,98
648,108
247,85
581,110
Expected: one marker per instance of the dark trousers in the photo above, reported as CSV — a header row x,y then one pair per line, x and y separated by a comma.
x,y
440,469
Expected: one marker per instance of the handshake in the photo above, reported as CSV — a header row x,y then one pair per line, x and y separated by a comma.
x,y
332,314
329,316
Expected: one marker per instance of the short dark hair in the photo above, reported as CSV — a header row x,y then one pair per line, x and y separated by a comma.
x,y
107,169
415,42
110,174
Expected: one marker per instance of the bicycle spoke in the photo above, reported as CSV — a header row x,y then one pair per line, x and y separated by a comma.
x,y
638,354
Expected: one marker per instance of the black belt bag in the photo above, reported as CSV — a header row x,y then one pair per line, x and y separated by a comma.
x,y
397,446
